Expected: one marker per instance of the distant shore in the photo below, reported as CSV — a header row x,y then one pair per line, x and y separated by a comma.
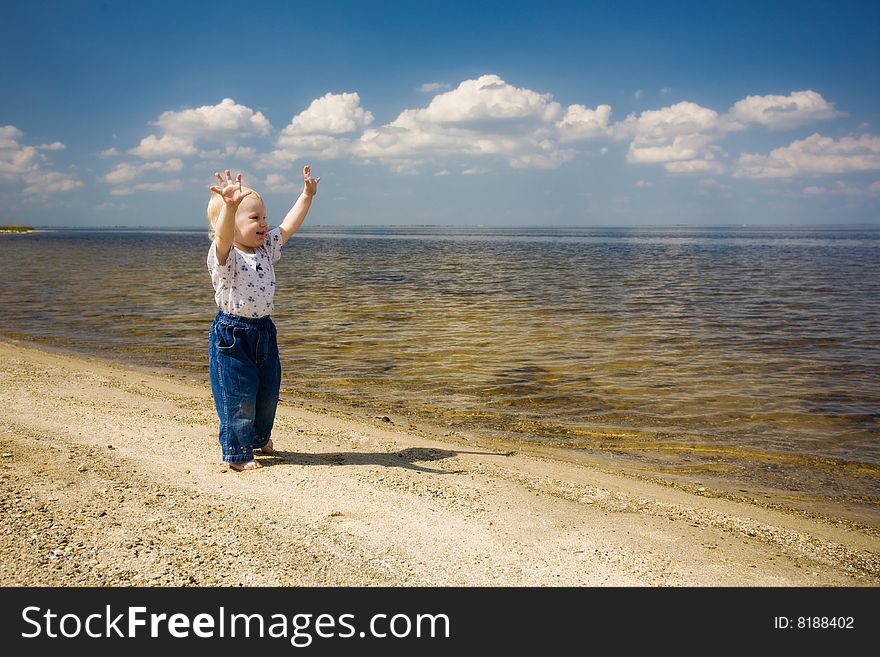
x,y
111,476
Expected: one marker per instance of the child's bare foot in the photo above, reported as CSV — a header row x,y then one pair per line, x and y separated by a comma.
x,y
267,448
246,465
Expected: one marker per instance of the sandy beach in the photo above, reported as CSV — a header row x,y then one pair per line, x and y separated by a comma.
x,y
111,476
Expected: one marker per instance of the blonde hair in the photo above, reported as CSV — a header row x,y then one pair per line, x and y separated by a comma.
x,y
215,204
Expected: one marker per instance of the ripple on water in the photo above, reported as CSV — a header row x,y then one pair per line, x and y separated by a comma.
x,y
746,346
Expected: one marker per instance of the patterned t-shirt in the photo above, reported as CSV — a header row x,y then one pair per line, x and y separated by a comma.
x,y
245,285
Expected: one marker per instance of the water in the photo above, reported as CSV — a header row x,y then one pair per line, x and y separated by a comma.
x,y
738,352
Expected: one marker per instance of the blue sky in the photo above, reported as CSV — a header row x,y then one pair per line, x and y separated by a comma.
x,y
457,113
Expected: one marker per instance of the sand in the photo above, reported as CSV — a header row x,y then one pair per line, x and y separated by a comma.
x,y
111,476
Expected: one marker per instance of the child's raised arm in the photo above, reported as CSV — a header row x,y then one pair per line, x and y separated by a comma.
x,y
224,229
300,209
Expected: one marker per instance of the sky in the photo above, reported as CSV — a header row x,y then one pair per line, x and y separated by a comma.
x,y
473,113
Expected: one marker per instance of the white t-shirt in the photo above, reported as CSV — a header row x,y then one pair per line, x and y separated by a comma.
x,y
245,285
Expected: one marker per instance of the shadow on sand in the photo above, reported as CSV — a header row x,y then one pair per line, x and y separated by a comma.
x,y
407,458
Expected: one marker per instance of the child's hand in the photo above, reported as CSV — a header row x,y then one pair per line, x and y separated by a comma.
x,y
231,192
310,188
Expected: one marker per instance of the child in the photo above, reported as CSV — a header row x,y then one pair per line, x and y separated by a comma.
x,y
242,348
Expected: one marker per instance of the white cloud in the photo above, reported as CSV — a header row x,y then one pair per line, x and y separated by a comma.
x,y
224,120
40,183
19,162
665,91
475,171
324,147
681,148
227,122
332,114
814,190
778,112
653,127
9,136
152,147
444,172
277,183
683,136
814,155
174,164
642,184
108,152
637,94
277,159
26,166
123,172
316,131
486,99
54,146
482,117
581,122
674,134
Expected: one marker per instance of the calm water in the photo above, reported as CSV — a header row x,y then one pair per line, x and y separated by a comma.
x,y
756,347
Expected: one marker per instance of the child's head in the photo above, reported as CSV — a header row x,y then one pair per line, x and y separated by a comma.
x,y
250,218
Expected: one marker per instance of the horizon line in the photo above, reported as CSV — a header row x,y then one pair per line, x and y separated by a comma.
x,y
471,226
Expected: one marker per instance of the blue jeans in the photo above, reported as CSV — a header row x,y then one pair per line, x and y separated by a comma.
x,y
245,379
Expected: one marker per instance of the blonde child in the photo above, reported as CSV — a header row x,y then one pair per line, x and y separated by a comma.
x,y
242,348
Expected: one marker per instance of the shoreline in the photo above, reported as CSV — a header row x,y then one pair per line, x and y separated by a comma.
x,y
689,467
111,476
